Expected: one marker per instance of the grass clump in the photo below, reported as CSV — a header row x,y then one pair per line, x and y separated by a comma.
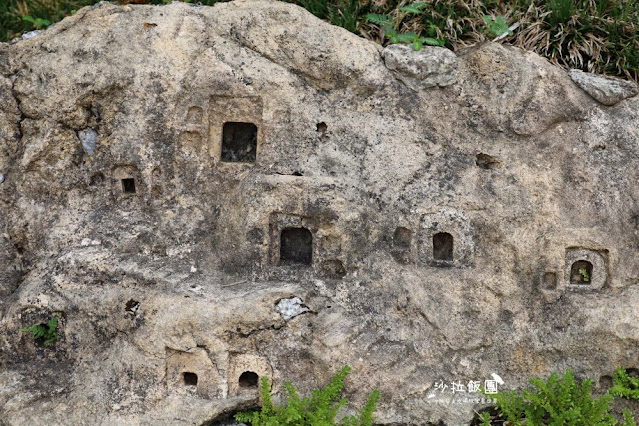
x,y
554,402
599,36
596,36
320,409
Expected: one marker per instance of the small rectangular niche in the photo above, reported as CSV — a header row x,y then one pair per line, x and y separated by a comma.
x,y
239,142
296,246
190,379
402,241
585,268
581,272
248,380
402,238
443,246
128,186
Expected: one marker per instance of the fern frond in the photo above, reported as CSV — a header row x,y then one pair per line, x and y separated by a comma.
x,y
381,20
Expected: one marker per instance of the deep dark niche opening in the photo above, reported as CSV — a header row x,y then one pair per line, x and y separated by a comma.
x,y
248,379
296,246
485,161
128,186
443,246
239,142
321,127
402,238
581,272
190,379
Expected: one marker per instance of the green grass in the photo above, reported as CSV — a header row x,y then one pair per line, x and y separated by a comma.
x,y
599,36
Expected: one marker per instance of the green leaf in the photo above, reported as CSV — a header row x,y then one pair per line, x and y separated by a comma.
x,y
37,22
392,35
485,419
42,23
406,38
415,8
381,20
432,41
48,332
628,418
410,9
366,415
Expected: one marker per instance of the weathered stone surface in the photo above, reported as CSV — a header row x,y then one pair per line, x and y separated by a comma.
x,y
432,234
605,89
428,67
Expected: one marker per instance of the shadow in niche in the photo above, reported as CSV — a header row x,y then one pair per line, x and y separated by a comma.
x,y
296,246
581,272
443,246
239,142
190,379
128,186
402,238
248,380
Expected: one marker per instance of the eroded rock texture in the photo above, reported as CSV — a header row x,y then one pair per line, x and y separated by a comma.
x,y
171,174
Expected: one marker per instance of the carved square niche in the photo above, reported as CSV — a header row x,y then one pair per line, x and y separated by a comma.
x,y
585,269
126,182
292,239
192,372
446,240
245,372
236,128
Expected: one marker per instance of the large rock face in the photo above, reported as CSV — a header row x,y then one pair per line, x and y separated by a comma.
x,y
211,195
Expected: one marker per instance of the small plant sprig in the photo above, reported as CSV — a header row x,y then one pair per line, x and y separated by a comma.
x,y
49,332
496,27
584,274
624,385
319,409
389,27
38,23
485,419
